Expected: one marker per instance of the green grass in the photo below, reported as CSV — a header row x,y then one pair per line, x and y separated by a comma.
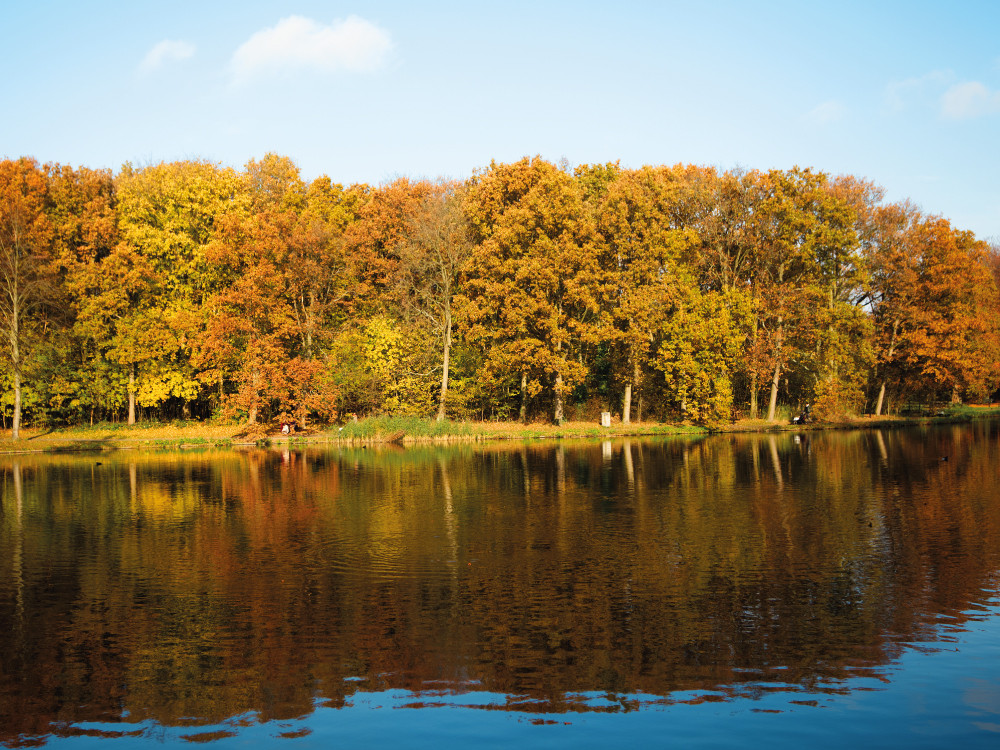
x,y
376,428
971,412
177,435
111,436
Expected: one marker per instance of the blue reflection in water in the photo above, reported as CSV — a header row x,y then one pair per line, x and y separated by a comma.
x,y
936,695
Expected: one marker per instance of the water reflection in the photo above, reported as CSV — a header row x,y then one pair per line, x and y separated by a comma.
x,y
171,589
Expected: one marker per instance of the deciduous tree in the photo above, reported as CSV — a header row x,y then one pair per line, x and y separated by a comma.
x,y
535,286
643,253
950,335
432,259
27,278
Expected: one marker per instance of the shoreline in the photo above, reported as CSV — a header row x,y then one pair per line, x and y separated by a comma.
x,y
389,431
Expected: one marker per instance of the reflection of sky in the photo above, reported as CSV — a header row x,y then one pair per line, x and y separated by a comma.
x,y
946,694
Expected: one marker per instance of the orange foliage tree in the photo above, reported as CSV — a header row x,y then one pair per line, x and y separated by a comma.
x,y
26,272
643,252
277,253
534,296
950,326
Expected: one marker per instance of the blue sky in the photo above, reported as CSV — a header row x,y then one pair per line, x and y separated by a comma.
x,y
905,94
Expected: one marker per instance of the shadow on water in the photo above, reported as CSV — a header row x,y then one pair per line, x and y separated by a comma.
x,y
239,588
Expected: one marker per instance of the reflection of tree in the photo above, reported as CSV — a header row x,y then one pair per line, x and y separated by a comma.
x,y
174,586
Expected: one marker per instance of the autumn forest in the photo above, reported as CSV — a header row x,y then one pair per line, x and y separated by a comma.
x,y
189,290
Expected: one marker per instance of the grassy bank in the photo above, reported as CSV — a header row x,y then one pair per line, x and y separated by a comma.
x,y
373,430
408,430
119,436
929,415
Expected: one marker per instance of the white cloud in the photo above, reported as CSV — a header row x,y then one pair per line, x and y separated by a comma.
x,y
166,51
299,43
826,113
899,94
967,100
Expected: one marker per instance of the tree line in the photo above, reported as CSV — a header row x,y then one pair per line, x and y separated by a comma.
x,y
191,290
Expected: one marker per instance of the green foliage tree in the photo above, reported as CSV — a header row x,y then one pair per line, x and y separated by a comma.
x,y
700,342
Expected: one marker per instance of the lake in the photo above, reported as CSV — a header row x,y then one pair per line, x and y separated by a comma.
x,y
818,589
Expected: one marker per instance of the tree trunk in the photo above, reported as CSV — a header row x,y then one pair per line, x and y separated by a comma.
x,y
753,375
559,378
635,384
15,361
310,317
252,411
131,394
559,398
524,398
16,429
773,403
892,349
881,398
445,358
832,368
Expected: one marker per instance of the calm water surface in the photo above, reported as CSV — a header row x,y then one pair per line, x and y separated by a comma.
x,y
817,589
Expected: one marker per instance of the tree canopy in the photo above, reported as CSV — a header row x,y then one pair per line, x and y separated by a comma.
x,y
193,290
